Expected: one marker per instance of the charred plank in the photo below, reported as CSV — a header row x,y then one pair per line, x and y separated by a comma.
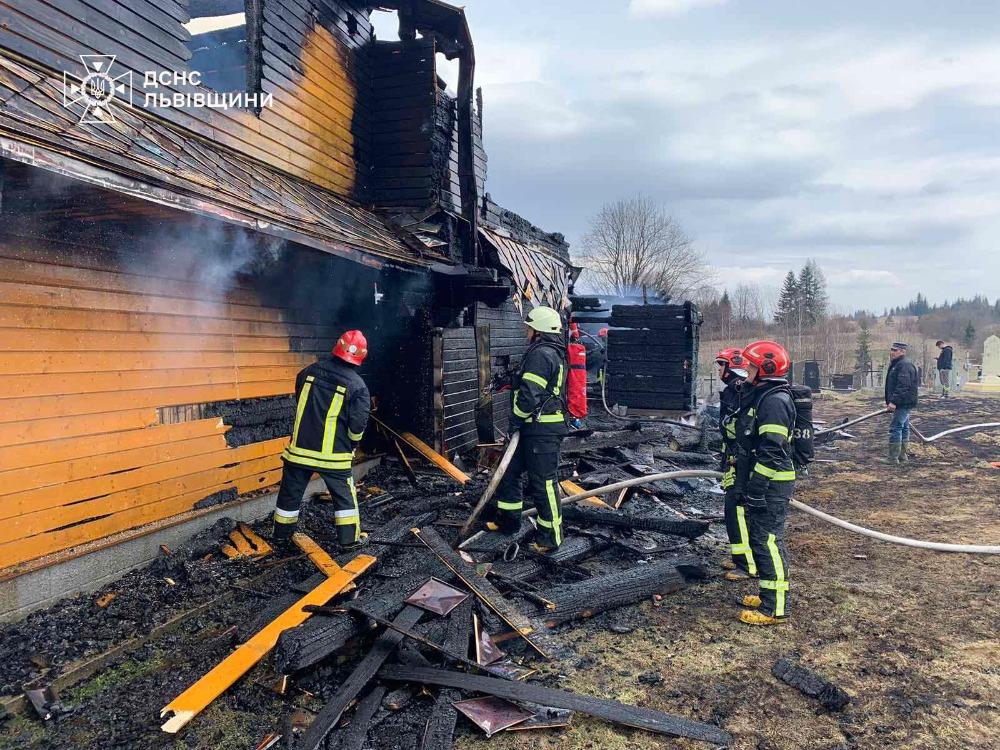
x,y
690,528
609,710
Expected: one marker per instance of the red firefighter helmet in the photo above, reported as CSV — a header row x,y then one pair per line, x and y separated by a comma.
x,y
770,358
352,347
731,357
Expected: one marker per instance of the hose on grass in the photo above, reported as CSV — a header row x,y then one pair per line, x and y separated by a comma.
x,y
977,549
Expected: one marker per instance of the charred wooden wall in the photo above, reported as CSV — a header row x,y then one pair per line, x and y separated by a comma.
x,y
312,57
403,106
132,388
459,389
508,344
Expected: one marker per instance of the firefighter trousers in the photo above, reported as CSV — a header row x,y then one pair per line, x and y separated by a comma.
x,y
767,544
739,533
538,457
294,479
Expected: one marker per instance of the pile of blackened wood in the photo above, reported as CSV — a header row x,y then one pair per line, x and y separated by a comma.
x,y
461,632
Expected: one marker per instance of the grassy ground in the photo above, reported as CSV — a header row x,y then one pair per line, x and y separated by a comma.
x,y
911,635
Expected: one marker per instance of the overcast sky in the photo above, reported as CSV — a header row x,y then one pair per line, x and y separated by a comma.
x,y
865,135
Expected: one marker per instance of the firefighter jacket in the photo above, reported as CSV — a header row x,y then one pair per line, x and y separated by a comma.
x,y
538,407
729,405
331,413
901,383
764,424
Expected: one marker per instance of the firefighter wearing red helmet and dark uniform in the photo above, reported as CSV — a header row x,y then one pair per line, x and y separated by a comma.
x,y
331,413
732,374
765,474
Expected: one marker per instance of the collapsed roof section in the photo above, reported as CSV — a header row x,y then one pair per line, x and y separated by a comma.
x,y
148,157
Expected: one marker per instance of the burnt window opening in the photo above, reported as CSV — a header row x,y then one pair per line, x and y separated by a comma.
x,y
386,25
352,24
220,45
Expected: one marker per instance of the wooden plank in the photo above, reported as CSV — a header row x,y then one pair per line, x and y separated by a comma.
x,y
383,647
23,316
478,585
86,299
28,549
110,462
40,430
27,501
197,697
23,362
427,452
23,386
26,340
354,736
68,450
609,710
42,407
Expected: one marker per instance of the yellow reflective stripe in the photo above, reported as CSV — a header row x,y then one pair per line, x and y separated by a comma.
x,y
730,429
320,455
536,379
518,411
744,545
765,471
291,456
780,584
283,519
557,417
355,436
510,506
773,474
559,377
330,429
776,429
350,517
554,508
301,407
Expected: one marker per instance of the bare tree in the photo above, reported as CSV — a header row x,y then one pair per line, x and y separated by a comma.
x,y
634,246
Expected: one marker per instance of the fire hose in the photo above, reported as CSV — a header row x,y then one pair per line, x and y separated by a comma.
x,y
920,544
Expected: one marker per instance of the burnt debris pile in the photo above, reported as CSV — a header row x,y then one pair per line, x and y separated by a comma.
x,y
428,642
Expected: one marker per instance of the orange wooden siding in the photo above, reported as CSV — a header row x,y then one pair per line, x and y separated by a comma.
x,y
88,351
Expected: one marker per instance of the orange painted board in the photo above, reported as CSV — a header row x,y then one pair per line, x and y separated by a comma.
x,y
24,386
64,275
319,556
22,316
57,428
63,472
28,501
196,698
26,525
22,550
34,362
14,293
26,339
43,407
70,449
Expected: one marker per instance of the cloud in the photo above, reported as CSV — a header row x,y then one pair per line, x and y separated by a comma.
x,y
645,8
863,277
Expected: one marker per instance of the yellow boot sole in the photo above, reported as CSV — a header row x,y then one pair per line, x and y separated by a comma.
x,y
752,617
750,600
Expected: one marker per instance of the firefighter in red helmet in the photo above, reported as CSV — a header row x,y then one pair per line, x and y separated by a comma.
x,y
331,413
731,373
765,474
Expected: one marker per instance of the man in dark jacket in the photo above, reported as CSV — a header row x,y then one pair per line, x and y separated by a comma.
x,y
537,413
901,383
944,367
332,409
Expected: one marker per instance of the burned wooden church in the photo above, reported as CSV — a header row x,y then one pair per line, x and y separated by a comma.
x,y
198,196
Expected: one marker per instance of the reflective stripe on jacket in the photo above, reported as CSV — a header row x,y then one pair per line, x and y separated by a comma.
x,y
331,413
764,425
537,402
